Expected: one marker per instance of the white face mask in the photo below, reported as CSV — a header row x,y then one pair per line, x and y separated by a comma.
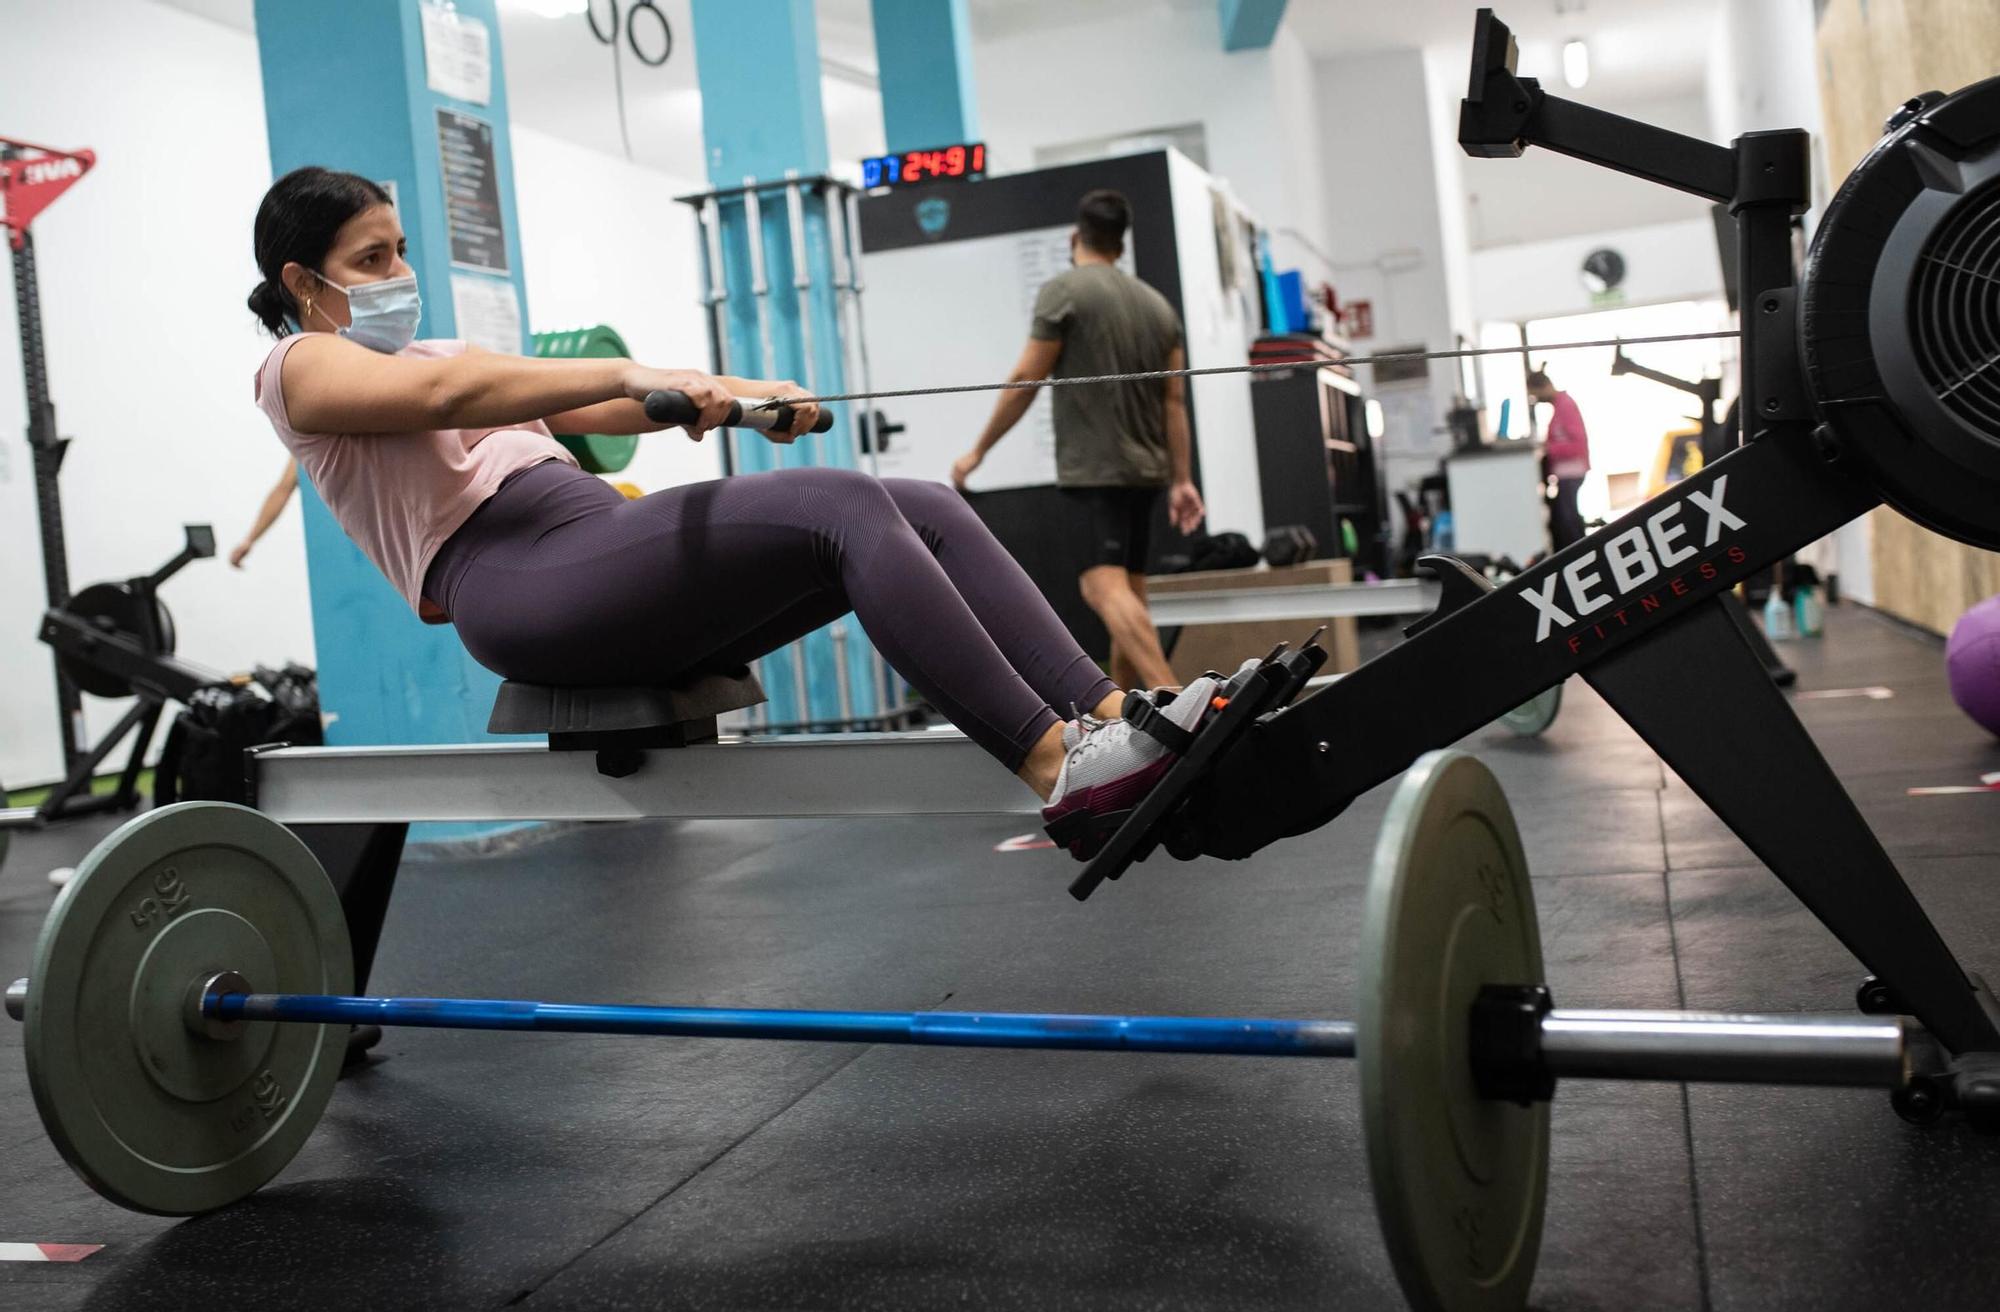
x,y
382,316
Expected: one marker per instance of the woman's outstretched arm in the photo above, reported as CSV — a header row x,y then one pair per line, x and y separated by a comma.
x,y
332,385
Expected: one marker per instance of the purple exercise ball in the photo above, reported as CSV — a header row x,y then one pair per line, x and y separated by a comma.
x,y
1972,664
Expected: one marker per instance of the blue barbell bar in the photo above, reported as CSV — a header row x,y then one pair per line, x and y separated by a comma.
x,y
1643,1045
1243,1037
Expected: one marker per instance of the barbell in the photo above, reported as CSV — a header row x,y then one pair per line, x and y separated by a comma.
x,y
185,1025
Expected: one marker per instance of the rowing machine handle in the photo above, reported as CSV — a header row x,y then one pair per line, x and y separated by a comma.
x,y
673,407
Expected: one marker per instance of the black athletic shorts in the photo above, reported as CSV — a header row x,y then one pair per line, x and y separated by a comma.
x,y
1115,524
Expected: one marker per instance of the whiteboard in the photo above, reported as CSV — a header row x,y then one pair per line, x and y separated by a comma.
x,y
958,312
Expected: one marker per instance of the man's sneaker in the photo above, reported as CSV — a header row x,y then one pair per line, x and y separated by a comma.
x,y
1112,764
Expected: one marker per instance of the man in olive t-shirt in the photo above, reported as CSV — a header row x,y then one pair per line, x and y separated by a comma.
x,y
1117,444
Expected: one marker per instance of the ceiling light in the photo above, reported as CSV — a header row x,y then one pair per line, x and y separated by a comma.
x,y
1576,64
550,8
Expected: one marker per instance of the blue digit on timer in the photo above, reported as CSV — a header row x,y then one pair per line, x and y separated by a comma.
x,y
871,173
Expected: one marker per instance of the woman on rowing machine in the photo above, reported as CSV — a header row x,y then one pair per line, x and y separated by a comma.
x,y
437,460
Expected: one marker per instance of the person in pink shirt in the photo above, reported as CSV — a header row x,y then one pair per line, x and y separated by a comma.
x,y
436,459
1566,448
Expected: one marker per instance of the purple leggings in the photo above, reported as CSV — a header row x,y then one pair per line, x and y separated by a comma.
x,y
559,579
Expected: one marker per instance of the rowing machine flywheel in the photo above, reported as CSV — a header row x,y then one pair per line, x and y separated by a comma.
x,y
1900,320
113,608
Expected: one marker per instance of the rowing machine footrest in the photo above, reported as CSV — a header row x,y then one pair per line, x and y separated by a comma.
x,y
1251,693
1090,829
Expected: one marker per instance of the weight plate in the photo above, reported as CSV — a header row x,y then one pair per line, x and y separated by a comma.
x,y
1460,1182
1532,717
598,453
152,1115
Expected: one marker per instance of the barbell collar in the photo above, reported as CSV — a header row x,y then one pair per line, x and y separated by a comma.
x,y
200,1008
17,999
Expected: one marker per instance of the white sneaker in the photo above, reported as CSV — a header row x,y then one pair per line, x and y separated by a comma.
x,y
1111,765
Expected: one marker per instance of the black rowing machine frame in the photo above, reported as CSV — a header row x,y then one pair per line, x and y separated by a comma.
x,y
1635,608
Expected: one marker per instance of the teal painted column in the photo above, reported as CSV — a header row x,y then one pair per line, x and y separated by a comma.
x,y
1249,24
923,49
347,86
763,121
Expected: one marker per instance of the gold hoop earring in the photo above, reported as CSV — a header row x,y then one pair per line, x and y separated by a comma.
x,y
307,305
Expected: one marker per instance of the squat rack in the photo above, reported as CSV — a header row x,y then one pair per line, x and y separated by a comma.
x,y
133,652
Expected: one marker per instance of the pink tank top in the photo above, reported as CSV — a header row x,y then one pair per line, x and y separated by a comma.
x,y
1568,444
400,495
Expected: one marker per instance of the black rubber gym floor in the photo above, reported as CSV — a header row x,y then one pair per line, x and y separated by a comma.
x,y
472,1170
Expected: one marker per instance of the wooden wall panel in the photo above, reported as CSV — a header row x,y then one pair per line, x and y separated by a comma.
x,y
1873,55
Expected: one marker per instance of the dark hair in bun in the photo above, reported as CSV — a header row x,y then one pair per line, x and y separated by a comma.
x,y
297,222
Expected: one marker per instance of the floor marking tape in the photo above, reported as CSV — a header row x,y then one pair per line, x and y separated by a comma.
x,y
1876,693
46,1252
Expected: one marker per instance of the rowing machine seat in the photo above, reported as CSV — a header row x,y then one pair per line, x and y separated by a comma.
x,y
619,723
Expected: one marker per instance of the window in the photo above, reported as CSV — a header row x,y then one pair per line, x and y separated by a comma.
x,y
1627,417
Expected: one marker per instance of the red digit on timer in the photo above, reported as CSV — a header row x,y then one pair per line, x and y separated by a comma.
x,y
979,159
954,161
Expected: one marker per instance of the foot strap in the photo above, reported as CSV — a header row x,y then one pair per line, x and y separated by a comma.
x,y
1141,714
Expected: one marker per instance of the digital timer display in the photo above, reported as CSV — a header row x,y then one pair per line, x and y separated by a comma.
x,y
963,161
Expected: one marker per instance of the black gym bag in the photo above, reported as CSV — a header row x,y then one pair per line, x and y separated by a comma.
x,y
202,759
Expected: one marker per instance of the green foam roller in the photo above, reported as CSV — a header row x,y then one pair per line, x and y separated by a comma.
x,y
598,453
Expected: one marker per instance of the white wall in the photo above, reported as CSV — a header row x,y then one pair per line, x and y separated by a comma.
x,y
1763,75
1297,129
1444,88
1217,333
1386,233
604,241
559,78
144,267
1380,195
1762,71
1543,195
1152,64
1539,280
